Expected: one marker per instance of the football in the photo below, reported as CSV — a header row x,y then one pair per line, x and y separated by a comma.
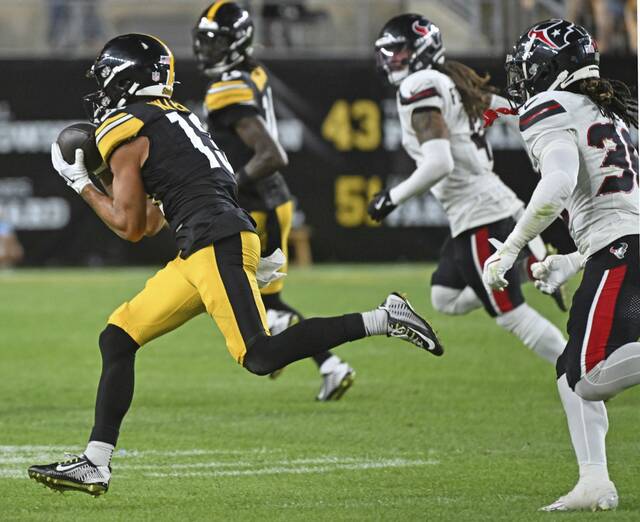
x,y
81,136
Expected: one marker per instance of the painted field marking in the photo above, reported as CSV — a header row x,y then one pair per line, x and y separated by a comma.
x,y
298,470
179,463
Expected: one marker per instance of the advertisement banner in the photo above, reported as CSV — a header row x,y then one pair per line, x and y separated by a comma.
x,y
337,122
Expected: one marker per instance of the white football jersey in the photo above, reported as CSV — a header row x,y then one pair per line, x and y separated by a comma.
x,y
471,195
604,203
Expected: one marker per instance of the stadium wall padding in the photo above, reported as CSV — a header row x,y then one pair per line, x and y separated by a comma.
x,y
337,123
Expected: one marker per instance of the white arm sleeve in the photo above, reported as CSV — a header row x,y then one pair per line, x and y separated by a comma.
x,y
559,162
437,163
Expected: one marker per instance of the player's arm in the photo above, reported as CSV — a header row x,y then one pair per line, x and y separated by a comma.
x,y
126,211
559,161
433,135
268,154
155,218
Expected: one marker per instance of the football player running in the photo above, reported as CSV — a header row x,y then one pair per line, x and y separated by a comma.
x,y
440,104
239,108
576,128
156,148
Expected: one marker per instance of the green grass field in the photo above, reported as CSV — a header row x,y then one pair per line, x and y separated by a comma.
x,y
478,434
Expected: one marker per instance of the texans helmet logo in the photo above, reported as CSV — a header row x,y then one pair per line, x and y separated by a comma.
x,y
418,28
620,251
554,33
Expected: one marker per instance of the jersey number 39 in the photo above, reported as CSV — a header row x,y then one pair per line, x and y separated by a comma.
x,y
623,155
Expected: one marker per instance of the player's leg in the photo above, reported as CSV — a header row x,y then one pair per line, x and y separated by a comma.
x,y
273,228
166,302
605,326
587,422
472,249
225,277
450,293
587,419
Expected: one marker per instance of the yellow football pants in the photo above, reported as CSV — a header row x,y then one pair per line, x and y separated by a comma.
x,y
219,279
273,228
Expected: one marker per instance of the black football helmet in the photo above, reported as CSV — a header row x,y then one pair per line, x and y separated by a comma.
x,y
408,43
550,55
129,66
222,38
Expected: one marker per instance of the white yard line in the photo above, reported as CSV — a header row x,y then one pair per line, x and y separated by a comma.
x,y
180,463
298,470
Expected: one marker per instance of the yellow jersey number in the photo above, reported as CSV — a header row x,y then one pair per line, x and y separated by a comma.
x,y
354,125
352,196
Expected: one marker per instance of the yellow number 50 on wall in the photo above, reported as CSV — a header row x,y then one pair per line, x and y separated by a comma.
x,y
353,125
353,194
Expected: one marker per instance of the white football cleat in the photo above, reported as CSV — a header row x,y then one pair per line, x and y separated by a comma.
x,y
336,382
600,496
77,473
279,320
406,324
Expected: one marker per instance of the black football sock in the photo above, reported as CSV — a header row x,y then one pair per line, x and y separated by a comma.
x,y
312,336
275,302
115,389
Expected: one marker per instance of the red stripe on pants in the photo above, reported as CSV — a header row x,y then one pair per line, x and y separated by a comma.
x,y
603,317
484,252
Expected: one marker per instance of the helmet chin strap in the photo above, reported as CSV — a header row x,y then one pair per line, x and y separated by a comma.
x,y
217,69
396,77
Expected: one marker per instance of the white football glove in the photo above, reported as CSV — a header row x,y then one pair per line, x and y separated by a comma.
x,y
498,265
75,175
268,268
555,270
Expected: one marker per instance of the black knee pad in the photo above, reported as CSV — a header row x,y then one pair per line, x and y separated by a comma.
x,y
257,360
115,343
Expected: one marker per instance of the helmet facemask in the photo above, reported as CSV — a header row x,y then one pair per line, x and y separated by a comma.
x,y
408,43
218,49
393,60
112,93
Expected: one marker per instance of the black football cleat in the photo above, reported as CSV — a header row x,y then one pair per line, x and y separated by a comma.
x,y
405,323
76,474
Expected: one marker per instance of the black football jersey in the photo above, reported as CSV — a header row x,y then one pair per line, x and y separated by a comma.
x,y
239,94
185,171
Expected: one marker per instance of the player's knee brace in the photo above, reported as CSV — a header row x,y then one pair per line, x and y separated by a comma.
x,y
534,331
258,359
115,344
453,301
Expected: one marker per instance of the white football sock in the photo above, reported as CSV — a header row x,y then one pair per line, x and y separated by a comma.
x,y
588,425
99,453
375,322
330,364
617,372
534,331
453,301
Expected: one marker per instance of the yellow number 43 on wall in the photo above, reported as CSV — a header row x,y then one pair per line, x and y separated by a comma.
x,y
353,125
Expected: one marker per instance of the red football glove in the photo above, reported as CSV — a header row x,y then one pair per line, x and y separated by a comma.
x,y
491,115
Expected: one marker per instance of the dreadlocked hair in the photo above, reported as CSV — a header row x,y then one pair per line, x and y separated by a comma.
x,y
612,97
474,89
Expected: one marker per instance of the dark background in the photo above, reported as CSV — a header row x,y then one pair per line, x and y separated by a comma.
x,y
51,91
